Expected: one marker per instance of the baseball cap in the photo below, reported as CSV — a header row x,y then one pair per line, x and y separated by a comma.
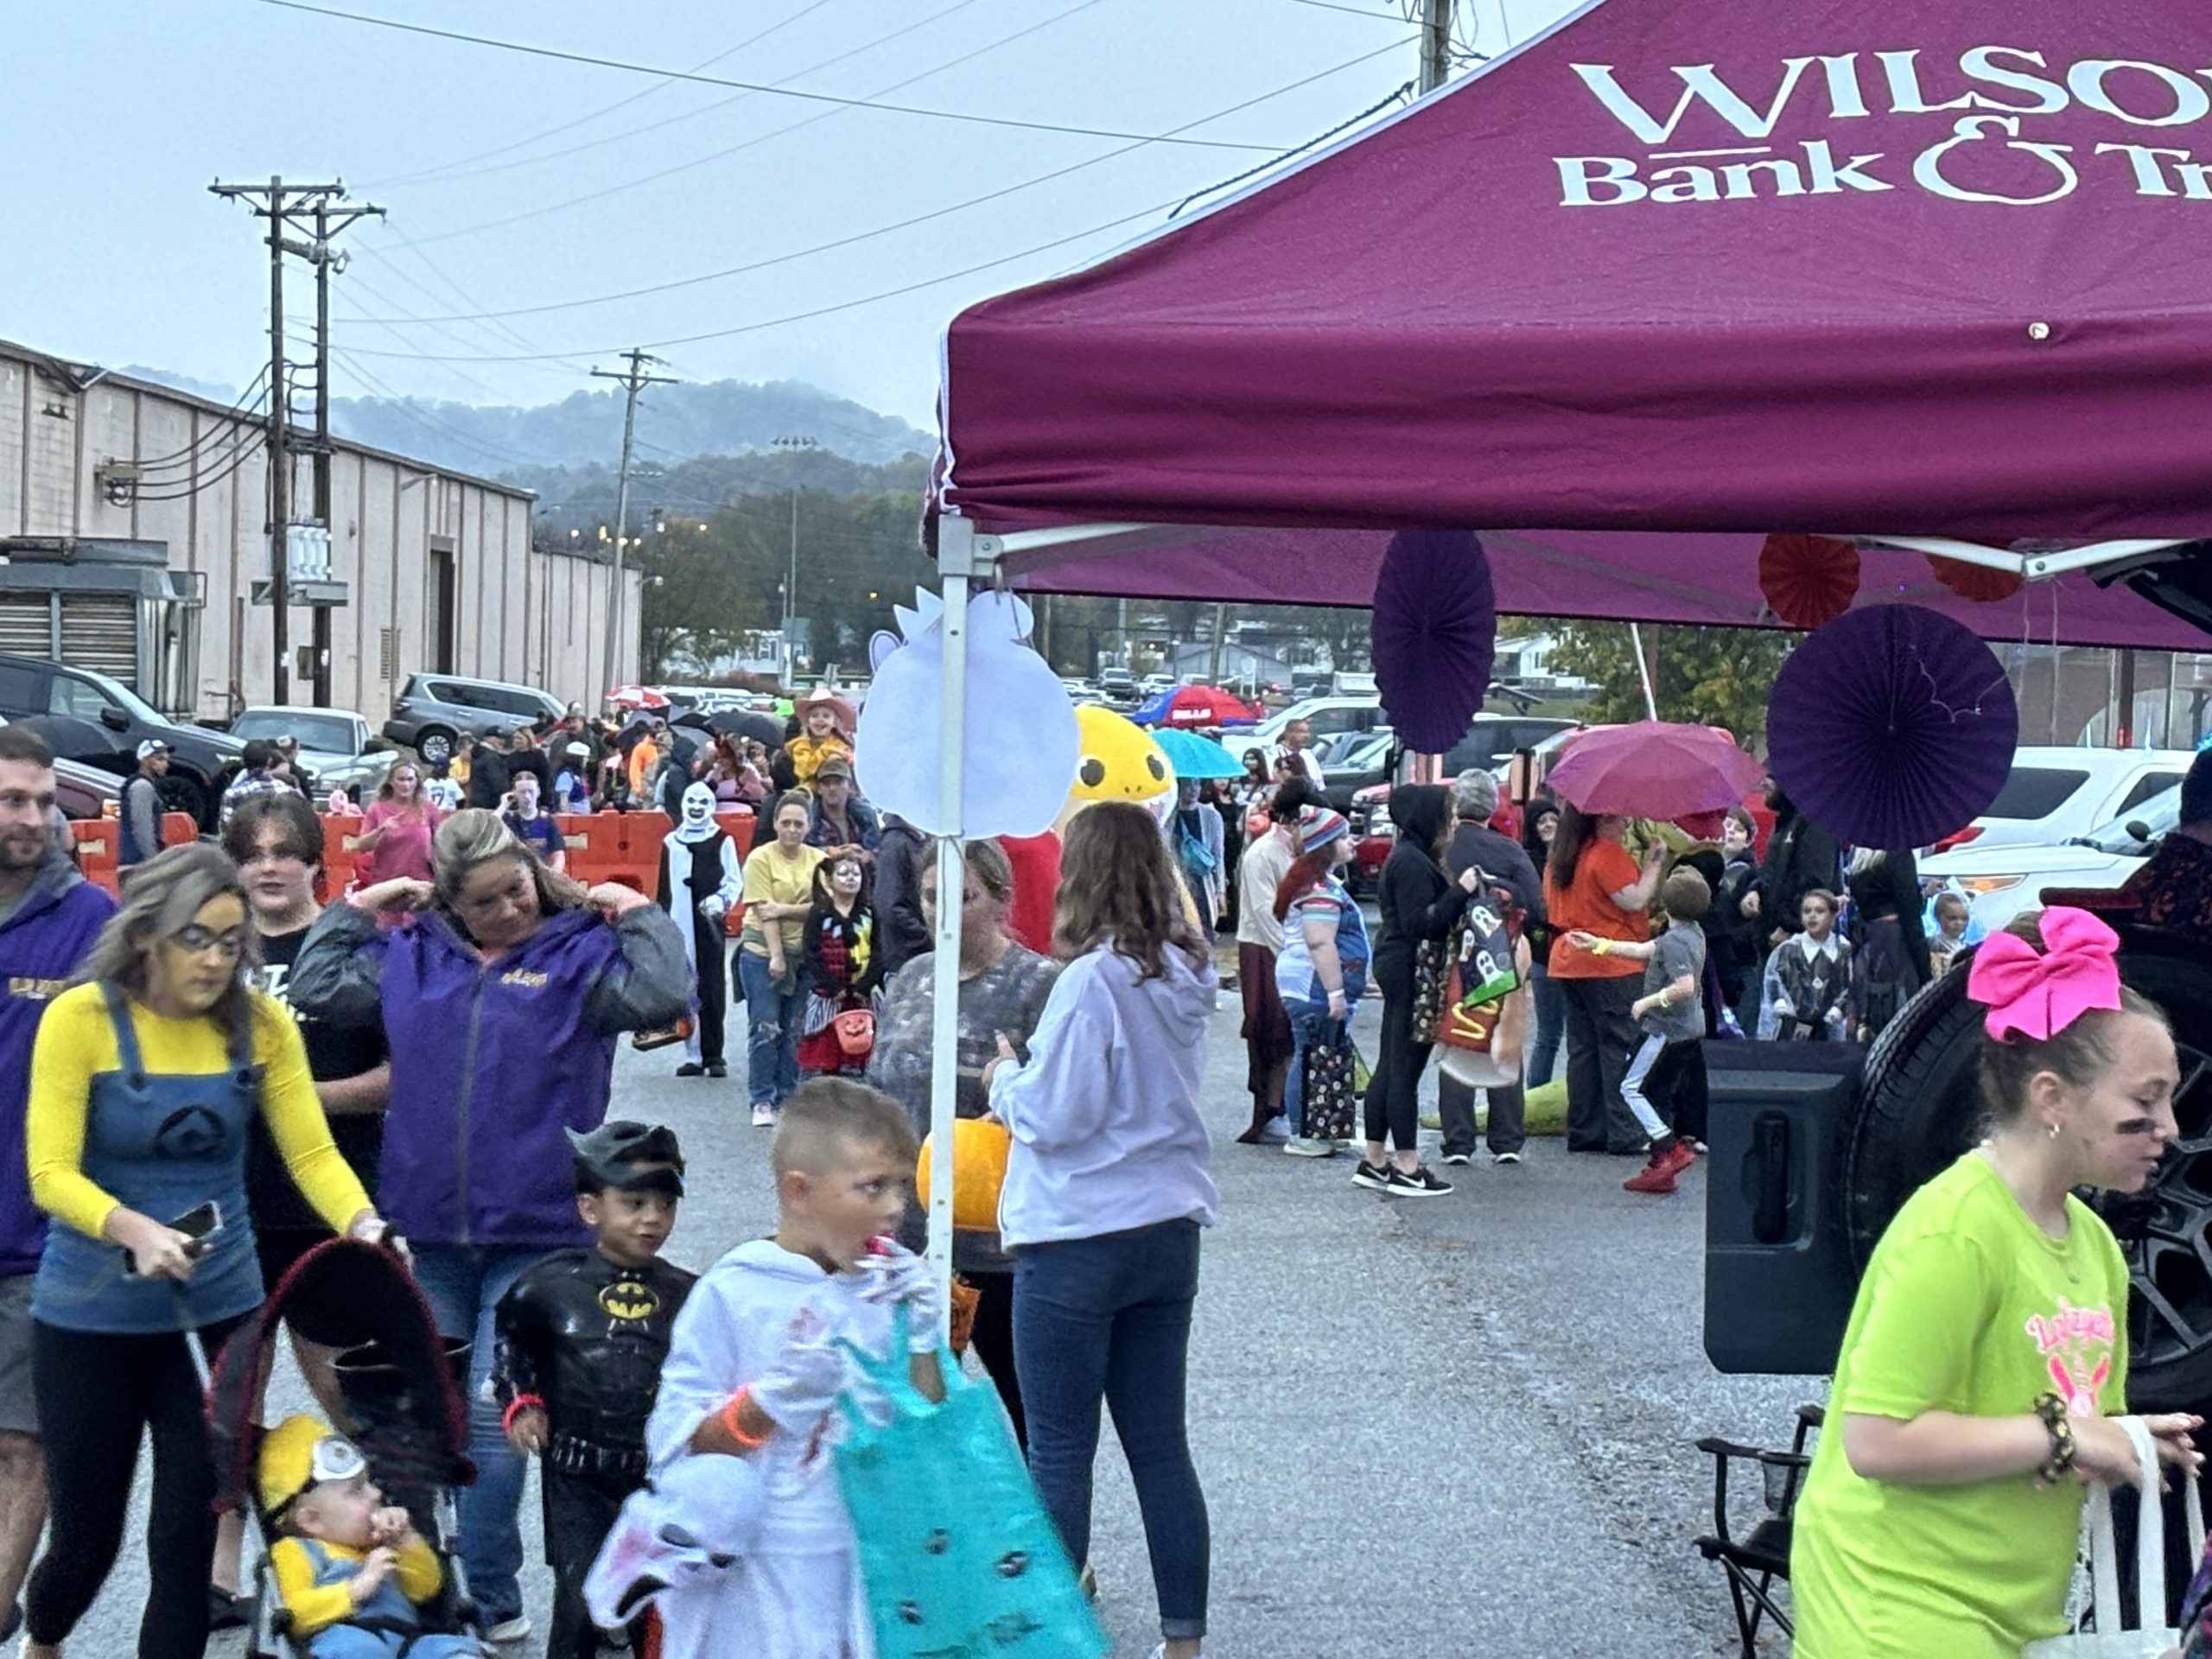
x,y
583,749
1320,825
151,747
835,765
613,1151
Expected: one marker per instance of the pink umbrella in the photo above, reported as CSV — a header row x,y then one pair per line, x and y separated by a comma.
x,y
1655,769
636,696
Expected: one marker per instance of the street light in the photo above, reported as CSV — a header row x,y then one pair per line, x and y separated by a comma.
x,y
794,446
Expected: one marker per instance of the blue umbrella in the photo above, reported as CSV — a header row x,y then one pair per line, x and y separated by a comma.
x,y
1153,710
1195,758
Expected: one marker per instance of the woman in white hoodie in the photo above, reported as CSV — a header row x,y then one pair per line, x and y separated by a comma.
x,y
1106,1189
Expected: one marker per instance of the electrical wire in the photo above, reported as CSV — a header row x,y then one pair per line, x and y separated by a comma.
x,y
1400,96
244,409
628,185
725,103
433,173
1353,11
202,482
1010,123
934,213
422,417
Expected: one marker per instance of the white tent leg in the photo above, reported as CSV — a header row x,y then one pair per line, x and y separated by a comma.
x,y
957,562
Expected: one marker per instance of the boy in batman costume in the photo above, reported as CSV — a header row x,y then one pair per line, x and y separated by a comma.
x,y
581,1339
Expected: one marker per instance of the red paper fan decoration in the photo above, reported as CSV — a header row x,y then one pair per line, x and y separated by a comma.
x,y
1808,579
1975,581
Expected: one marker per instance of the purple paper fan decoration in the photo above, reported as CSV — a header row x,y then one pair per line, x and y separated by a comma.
x,y
1892,726
1435,635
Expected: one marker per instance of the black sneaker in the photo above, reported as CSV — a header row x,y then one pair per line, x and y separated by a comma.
x,y
1373,1177
1423,1183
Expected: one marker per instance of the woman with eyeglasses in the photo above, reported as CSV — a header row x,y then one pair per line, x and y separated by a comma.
x,y
501,989
145,1077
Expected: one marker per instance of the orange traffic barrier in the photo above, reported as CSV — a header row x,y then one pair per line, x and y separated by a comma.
x,y
96,843
178,828
738,823
618,847
337,863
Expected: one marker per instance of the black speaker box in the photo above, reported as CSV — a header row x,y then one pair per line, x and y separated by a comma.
x,y
1778,1275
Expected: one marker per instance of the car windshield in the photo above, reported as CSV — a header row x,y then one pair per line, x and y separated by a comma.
x,y
2032,792
2160,813
123,696
325,732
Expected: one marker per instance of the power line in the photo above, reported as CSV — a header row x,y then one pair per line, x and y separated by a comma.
x,y
238,457
246,409
753,142
1352,11
1008,121
926,217
720,104
432,173
422,417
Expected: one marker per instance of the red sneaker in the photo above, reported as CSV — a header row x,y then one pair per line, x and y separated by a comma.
x,y
1658,1175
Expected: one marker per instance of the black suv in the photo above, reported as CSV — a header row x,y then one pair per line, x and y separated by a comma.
x,y
435,715
200,761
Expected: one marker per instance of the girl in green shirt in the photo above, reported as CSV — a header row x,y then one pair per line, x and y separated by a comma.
x,y
1987,1351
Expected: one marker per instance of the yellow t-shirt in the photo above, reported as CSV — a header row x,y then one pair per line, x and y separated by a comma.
x,y
76,1041
808,754
780,880
1968,1307
315,1607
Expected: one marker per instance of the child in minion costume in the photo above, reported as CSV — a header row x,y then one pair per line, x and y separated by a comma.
x,y
350,1569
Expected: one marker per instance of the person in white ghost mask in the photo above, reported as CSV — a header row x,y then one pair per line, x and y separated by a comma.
x,y
701,877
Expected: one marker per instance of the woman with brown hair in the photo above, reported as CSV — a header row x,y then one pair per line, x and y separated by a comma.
x,y
1106,1191
1592,886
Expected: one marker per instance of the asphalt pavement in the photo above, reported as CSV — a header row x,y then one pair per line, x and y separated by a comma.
x,y
1450,1427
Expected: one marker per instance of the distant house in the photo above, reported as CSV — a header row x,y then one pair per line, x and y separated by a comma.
x,y
1526,664
1240,665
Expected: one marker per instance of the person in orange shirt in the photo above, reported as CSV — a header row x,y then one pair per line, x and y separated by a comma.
x,y
1592,885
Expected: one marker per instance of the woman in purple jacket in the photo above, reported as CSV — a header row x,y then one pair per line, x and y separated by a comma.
x,y
501,992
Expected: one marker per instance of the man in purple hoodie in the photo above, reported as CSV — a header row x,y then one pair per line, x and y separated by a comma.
x,y
49,916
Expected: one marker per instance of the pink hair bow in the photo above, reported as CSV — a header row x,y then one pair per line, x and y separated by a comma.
x,y
2040,993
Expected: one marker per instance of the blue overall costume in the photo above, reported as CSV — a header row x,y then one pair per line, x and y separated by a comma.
x,y
397,1625
161,1145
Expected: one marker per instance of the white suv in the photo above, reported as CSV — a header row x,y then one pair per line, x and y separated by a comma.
x,y
2000,882
2054,795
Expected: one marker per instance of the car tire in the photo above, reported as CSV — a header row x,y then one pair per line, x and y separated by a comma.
x,y
436,744
1921,1107
187,792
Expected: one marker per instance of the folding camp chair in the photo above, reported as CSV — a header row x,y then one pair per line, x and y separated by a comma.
x,y
1759,1558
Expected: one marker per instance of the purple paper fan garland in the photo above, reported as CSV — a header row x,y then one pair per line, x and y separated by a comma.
x,y
1892,726
1435,632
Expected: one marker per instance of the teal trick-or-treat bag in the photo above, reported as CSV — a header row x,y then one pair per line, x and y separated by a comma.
x,y
959,1558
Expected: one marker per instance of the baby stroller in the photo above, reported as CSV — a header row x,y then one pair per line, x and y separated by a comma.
x,y
404,1408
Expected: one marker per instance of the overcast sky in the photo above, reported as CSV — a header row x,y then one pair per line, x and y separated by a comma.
x,y
515,182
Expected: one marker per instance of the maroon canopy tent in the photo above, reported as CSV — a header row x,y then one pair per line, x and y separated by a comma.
x,y
1671,275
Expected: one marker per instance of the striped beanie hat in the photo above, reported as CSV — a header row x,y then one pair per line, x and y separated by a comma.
x,y
1318,826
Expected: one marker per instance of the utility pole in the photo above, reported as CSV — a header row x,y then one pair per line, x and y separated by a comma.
x,y
635,380
286,207
795,446
1435,43
325,264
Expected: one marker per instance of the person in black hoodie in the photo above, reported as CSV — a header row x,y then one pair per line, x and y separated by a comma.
x,y
1418,901
903,865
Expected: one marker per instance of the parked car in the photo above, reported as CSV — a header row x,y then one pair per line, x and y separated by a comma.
x,y
1118,687
436,714
1998,883
199,758
83,791
336,745
2054,795
1491,744
1326,717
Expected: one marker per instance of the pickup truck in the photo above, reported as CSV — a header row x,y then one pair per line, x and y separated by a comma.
x,y
337,747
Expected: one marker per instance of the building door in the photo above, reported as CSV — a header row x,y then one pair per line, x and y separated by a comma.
x,y
440,633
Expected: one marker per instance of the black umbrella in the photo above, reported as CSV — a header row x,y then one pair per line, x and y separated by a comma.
x,y
744,723
77,739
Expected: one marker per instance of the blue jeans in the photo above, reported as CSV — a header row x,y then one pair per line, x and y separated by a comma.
x,y
345,1642
772,1018
1551,1029
463,1284
1309,1024
1110,1319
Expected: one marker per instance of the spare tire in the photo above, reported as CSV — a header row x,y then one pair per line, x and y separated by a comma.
x,y
1921,1108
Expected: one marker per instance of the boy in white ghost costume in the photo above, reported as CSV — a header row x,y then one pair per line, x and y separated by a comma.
x,y
742,1544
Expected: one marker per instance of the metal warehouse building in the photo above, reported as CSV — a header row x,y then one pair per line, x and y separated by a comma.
x,y
133,523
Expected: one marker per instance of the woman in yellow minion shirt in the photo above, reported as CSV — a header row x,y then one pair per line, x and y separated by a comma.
x,y
142,1079
1986,1360
778,898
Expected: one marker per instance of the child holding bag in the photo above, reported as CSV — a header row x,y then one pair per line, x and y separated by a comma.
x,y
1987,1355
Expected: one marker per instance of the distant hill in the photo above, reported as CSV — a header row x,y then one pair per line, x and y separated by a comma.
x,y
584,430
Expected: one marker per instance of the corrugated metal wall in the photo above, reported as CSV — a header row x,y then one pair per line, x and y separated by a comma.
x,y
539,617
